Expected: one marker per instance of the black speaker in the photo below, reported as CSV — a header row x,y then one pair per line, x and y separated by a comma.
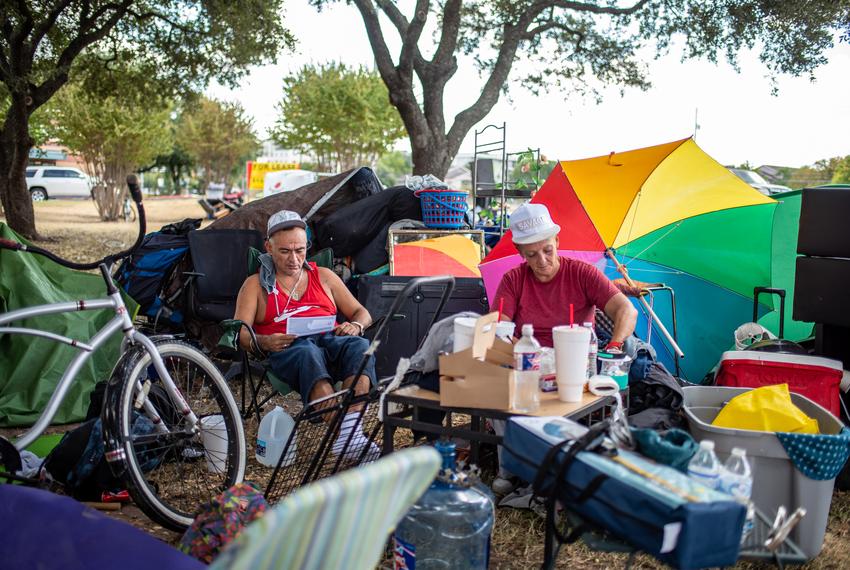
x,y
822,290
825,222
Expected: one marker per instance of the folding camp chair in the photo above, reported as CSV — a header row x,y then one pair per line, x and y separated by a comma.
x,y
340,522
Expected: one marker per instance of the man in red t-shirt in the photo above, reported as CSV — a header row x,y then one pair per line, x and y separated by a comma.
x,y
541,289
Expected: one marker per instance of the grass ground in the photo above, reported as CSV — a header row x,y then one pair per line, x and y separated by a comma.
x,y
73,230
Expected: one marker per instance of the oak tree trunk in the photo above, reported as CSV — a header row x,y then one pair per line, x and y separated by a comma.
x,y
15,145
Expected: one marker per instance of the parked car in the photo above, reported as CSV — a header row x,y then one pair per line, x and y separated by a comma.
x,y
755,180
45,182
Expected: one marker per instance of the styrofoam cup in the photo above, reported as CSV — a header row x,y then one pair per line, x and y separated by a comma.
x,y
570,392
571,347
214,438
464,332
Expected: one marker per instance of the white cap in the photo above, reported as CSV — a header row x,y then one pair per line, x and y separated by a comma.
x,y
739,451
707,444
531,223
284,220
527,329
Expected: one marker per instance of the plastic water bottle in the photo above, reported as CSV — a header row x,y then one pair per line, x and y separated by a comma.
x,y
272,435
527,371
704,466
736,479
449,526
592,351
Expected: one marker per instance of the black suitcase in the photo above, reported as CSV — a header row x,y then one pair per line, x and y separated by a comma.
x,y
410,324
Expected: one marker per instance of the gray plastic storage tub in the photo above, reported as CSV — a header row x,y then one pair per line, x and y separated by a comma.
x,y
776,481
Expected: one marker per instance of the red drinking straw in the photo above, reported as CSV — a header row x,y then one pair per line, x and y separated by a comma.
x,y
572,316
501,304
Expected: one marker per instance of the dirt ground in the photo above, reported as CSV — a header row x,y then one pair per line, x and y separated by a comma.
x,y
73,230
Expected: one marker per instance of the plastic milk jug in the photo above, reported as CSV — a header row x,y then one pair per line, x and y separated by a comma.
x,y
275,428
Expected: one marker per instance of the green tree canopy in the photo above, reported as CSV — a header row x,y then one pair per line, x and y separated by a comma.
x,y
218,137
841,174
341,115
169,47
393,166
114,134
576,46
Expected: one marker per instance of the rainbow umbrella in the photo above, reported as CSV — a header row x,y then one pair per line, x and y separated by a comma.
x,y
667,213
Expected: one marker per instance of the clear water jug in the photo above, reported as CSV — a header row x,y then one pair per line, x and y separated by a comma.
x,y
449,526
275,428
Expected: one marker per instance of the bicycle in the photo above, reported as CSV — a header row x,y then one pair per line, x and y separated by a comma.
x,y
167,445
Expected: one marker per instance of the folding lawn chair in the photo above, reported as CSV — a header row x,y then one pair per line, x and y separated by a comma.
x,y
341,522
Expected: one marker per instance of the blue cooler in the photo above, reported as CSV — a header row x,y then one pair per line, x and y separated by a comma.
x,y
656,508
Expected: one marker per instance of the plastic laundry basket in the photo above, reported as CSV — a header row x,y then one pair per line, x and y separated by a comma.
x,y
776,480
443,209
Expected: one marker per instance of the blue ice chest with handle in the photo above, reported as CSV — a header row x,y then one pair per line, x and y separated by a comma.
x,y
663,513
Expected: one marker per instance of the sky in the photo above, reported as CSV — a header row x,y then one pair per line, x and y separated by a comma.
x,y
739,119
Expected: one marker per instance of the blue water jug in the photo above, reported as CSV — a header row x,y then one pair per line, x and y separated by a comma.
x,y
449,526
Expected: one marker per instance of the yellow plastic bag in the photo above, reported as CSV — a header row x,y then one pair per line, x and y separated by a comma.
x,y
768,408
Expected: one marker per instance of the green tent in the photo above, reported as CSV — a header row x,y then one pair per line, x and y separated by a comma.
x,y
31,367
786,225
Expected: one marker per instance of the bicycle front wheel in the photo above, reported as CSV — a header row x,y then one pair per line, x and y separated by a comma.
x,y
171,470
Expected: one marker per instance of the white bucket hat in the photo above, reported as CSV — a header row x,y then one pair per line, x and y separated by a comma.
x,y
531,223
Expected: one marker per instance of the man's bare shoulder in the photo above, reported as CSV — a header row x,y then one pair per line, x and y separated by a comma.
x,y
251,284
327,276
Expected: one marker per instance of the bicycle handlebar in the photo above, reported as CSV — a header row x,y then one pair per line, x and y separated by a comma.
x,y
136,193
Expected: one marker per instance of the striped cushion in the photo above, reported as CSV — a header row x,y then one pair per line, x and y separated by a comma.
x,y
339,522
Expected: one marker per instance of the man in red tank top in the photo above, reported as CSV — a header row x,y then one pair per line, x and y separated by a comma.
x,y
312,363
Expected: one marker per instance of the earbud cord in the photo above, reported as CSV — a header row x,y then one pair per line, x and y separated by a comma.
x,y
289,297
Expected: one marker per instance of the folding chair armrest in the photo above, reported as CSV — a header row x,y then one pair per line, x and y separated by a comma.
x,y
230,337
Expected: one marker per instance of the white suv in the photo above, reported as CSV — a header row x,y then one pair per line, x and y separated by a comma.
x,y
45,182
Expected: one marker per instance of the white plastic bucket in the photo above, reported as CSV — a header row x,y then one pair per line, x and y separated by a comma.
x,y
214,438
464,331
275,428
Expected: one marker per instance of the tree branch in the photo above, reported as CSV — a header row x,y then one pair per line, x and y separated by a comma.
x,y
398,19
43,92
464,121
596,9
410,41
449,32
383,59
402,96
46,24
164,18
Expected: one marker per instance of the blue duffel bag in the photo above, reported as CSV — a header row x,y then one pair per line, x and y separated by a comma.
x,y
653,507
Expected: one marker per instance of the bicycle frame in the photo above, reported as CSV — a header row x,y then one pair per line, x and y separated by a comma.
x,y
121,321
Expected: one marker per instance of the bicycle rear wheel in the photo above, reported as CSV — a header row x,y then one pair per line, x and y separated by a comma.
x,y
171,472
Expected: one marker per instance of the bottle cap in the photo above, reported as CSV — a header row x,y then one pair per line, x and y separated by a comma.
x,y
707,444
739,451
527,329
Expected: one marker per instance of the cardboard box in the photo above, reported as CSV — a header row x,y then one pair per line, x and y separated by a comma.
x,y
481,376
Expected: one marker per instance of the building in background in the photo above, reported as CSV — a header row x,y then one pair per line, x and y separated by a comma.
x,y
54,154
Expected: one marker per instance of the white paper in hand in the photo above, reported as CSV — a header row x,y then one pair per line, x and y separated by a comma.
x,y
303,326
